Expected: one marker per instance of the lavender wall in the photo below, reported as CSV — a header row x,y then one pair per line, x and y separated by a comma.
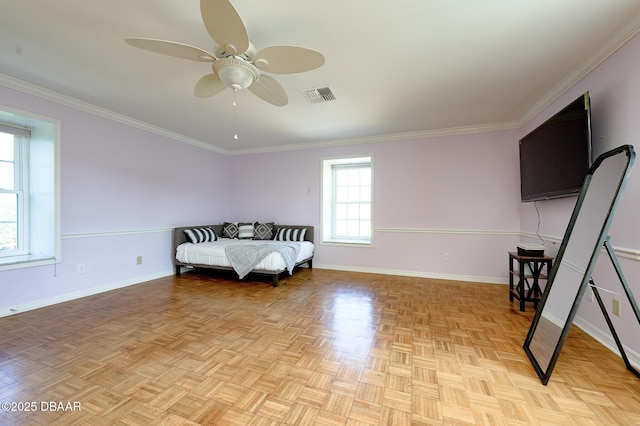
x,y
614,88
122,190
453,194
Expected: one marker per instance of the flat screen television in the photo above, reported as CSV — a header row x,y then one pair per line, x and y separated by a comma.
x,y
555,157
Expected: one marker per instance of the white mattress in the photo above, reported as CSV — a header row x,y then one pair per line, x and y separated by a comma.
x,y
213,253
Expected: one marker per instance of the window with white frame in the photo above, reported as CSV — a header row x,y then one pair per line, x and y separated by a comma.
x,y
29,190
347,188
14,190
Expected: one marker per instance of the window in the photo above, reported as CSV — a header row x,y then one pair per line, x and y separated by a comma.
x,y
14,143
29,190
347,200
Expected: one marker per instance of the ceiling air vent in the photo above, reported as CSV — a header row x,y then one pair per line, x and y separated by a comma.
x,y
317,95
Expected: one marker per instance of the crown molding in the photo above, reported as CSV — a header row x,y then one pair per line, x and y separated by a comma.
x,y
50,95
59,98
611,45
392,137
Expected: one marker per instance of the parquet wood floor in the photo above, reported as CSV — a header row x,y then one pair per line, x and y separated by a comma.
x,y
325,348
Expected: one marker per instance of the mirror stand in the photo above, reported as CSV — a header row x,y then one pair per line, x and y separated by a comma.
x,y
632,301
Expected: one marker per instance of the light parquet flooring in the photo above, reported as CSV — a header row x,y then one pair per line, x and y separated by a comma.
x,y
325,348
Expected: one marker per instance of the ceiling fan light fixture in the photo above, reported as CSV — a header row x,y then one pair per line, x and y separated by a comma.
x,y
235,60
235,72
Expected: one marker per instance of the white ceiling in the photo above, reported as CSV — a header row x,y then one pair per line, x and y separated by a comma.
x,y
397,68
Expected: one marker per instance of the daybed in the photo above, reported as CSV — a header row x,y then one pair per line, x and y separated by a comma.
x,y
256,252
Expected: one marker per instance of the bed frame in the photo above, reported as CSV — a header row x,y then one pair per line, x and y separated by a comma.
x,y
180,237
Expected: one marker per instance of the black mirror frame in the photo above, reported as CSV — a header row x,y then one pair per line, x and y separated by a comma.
x,y
545,373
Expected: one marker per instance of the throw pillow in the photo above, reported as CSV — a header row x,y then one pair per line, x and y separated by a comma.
x,y
201,235
290,234
245,231
263,231
230,230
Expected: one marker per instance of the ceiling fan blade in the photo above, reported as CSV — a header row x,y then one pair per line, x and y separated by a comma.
x,y
269,90
171,48
209,85
225,25
287,59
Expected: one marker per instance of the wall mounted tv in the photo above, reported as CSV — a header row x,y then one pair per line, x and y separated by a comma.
x,y
555,157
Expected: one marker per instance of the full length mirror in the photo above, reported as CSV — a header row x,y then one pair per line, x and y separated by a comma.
x,y
581,245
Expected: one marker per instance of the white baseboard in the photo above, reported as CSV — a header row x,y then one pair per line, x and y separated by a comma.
x,y
416,274
40,303
607,340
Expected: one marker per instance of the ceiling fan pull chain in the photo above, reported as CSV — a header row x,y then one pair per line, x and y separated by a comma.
x,y
235,112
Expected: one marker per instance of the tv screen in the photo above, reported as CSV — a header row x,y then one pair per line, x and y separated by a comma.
x,y
555,157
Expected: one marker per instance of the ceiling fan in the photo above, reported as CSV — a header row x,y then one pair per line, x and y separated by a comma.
x,y
235,61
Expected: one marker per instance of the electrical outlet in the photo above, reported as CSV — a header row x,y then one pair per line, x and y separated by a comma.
x,y
139,260
616,307
80,268
446,257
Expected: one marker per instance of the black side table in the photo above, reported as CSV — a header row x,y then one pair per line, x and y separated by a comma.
x,y
527,286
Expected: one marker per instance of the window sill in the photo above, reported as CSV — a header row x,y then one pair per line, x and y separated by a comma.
x,y
347,243
25,261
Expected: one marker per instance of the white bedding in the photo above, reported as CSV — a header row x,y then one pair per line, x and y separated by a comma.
x,y
213,253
